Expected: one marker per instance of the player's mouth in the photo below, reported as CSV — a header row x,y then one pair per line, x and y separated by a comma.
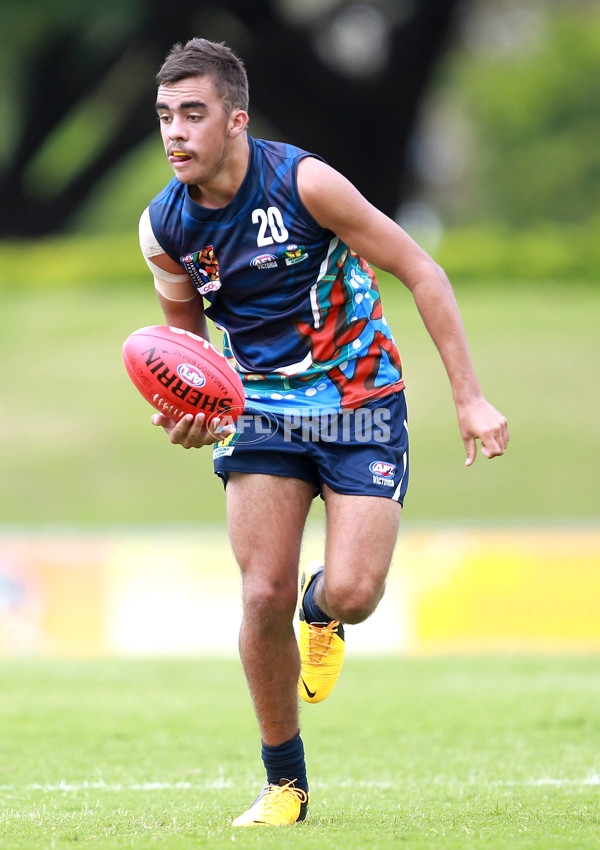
x,y
177,157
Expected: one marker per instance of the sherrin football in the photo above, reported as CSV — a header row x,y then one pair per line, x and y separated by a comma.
x,y
179,373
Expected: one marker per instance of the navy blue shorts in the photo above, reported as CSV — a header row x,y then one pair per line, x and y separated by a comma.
x,y
362,452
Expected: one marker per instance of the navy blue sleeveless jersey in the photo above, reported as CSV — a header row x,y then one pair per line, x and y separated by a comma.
x,y
301,311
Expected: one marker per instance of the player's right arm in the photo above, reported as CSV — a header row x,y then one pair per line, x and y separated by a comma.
x,y
180,301
181,304
182,307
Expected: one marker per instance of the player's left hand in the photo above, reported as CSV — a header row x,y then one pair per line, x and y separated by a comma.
x,y
478,420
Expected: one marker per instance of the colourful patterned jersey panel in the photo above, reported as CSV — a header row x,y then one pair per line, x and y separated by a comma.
x,y
353,354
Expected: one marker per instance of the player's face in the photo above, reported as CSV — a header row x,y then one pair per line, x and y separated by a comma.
x,y
194,128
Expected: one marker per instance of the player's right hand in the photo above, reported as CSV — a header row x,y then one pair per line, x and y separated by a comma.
x,y
191,431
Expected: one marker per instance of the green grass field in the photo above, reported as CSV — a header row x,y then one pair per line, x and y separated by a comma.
x,y
79,449
493,753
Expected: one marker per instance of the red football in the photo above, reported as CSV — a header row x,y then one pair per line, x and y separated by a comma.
x,y
179,372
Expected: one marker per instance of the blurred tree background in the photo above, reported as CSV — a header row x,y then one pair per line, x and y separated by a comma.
x,y
446,113
509,135
330,75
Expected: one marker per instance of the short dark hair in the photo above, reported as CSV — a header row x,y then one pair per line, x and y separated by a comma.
x,y
200,57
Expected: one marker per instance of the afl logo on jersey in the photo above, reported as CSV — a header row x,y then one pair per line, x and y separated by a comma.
x,y
264,261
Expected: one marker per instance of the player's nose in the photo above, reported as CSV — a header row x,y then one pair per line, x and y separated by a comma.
x,y
177,129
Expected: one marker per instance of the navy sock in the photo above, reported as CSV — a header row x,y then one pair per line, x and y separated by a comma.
x,y
286,761
312,612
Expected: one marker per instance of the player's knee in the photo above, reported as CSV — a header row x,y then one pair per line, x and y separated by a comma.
x,y
353,602
269,602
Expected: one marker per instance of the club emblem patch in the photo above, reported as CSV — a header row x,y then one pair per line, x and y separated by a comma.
x,y
293,254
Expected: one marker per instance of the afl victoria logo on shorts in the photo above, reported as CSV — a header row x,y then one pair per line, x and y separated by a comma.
x,y
383,472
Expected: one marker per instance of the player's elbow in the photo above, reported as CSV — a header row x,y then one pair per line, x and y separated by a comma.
x,y
430,277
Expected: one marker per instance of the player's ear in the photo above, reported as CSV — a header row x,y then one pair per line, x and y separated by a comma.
x,y
238,121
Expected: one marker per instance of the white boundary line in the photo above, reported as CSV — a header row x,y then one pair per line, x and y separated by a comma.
x,y
592,779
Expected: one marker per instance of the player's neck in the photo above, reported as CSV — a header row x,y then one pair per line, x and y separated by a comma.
x,y
222,187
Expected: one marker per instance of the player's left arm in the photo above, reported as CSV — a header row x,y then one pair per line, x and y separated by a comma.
x,y
337,205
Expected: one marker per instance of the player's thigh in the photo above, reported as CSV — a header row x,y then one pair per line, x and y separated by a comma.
x,y
361,537
266,515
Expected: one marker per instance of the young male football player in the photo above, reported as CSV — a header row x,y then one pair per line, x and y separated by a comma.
x,y
277,248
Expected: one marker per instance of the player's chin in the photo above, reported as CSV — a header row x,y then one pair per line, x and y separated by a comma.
x,y
186,176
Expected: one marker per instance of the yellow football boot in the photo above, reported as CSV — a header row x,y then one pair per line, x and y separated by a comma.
x,y
321,648
276,805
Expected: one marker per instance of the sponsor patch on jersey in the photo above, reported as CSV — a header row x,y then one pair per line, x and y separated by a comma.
x,y
293,254
224,448
203,269
191,375
383,473
264,261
